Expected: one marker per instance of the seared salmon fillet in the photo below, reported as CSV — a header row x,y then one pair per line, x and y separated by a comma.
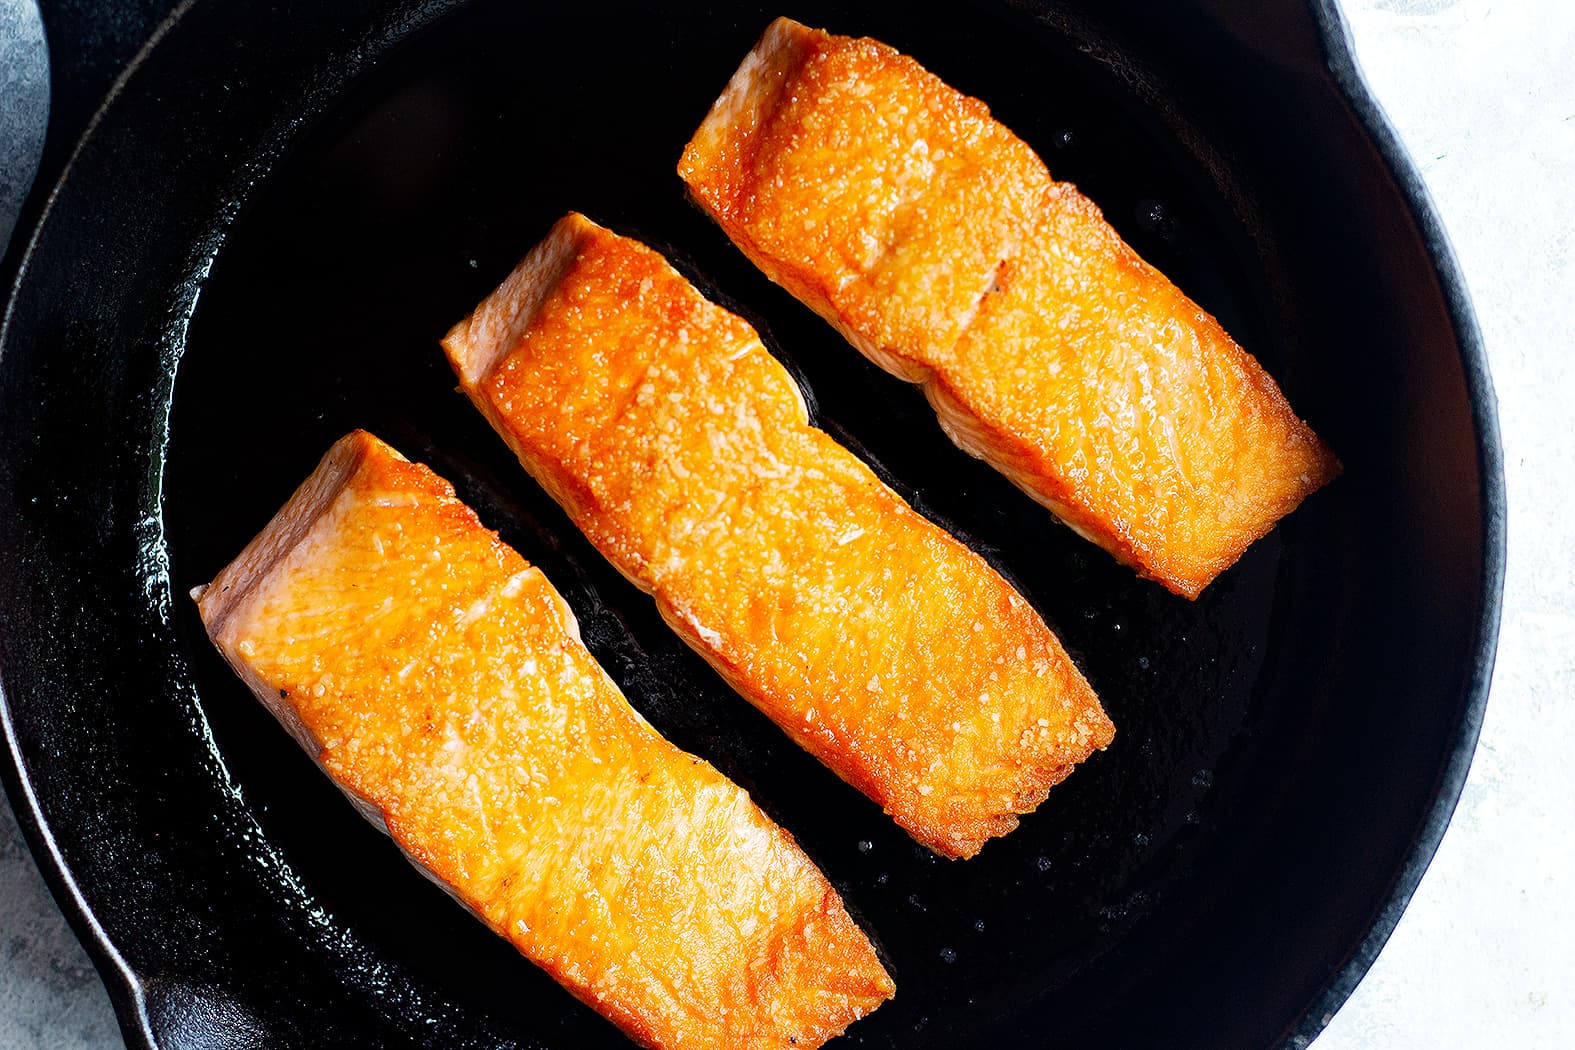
x,y
936,241
440,681
683,450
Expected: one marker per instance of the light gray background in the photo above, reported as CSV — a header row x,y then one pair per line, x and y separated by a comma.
x,y
1483,94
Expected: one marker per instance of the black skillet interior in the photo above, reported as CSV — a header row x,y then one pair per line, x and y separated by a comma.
x,y
292,205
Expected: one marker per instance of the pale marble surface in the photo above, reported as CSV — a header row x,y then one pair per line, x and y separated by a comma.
x,y
50,997
1483,94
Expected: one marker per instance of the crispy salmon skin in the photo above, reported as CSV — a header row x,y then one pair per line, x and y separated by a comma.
x,y
440,681
683,450
936,241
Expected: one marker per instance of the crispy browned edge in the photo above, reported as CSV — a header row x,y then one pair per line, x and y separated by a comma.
x,y
289,526
217,600
476,345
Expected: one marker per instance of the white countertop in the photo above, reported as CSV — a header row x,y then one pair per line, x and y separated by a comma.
x,y
1483,94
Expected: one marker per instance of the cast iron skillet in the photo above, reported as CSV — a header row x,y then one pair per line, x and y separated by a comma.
x,y
280,209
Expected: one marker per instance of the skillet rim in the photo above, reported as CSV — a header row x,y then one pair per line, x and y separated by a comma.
x,y
1340,60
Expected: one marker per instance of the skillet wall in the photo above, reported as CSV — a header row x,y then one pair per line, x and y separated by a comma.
x,y
236,888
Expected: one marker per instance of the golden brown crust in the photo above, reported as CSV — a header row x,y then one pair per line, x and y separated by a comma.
x,y
682,449
935,241
889,220
1141,423
438,678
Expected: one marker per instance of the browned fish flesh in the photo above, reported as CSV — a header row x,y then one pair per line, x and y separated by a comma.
x,y
936,241
683,450
440,681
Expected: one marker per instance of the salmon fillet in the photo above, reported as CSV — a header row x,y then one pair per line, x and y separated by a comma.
x,y
937,243
683,450
440,681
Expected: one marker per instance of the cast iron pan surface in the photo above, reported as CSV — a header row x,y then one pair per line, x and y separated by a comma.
x,y
283,206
